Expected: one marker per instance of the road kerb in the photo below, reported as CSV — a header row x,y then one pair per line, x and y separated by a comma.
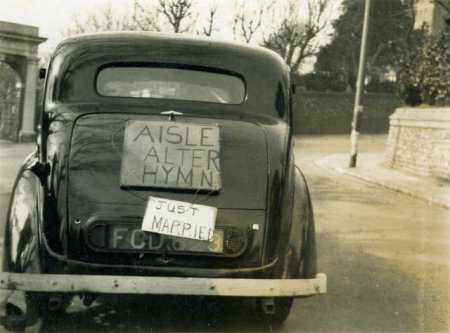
x,y
432,200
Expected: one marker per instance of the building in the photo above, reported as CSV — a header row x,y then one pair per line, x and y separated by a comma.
x,y
431,15
19,51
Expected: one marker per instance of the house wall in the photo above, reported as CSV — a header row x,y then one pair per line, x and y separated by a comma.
x,y
419,141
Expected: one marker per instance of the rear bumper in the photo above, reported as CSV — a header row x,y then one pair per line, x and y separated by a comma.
x,y
163,285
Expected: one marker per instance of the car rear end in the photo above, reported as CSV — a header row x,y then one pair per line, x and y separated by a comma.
x,y
207,126
118,166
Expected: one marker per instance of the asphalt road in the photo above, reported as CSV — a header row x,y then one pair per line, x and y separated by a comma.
x,y
386,256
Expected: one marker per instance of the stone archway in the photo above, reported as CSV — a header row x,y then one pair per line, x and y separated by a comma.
x,y
19,49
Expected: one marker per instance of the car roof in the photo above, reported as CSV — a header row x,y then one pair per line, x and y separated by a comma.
x,y
175,48
79,59
168,40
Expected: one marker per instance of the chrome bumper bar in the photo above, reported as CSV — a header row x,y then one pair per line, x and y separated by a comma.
x,y
106,284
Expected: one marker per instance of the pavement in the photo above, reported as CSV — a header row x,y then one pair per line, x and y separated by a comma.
x,y
370,167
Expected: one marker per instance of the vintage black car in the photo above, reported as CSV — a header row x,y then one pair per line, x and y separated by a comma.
x,y
164,165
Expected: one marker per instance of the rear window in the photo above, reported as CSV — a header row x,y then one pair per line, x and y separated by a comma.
x,y
171,83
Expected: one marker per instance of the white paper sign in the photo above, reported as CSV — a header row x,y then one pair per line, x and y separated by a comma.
x,y
178,218
171,155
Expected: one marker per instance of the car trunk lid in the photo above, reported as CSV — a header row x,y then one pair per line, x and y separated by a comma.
x,y
108,182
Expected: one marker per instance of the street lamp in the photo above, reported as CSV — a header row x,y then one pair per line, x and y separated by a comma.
x,y
358,108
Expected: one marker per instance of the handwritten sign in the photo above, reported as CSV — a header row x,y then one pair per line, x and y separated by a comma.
x,y
178,218
171,155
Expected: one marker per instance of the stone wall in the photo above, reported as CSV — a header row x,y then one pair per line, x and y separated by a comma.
x,y
331,113
419,141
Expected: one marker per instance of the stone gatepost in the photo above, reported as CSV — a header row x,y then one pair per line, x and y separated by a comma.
x,y
419,141
27,130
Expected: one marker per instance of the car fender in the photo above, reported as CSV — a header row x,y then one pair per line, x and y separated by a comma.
x,y
21,246
21,237
301,252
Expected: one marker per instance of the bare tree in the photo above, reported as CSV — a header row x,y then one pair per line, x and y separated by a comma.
x,y
209,28
144,17
247,19
104,20
298,39
147,15
177,12
246,25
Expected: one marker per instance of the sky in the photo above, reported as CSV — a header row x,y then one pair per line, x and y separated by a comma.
x,y
51,16
54,16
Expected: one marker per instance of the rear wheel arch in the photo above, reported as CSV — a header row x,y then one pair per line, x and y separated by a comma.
x,y
21,248
21,236
302,246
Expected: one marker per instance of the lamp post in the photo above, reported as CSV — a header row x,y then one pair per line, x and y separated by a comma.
x,y
358,108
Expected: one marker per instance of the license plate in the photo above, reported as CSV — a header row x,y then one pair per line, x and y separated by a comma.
x,y
131,238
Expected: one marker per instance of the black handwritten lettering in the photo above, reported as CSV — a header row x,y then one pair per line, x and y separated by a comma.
x,y
175,224
160,133
152,153
171,208
178,138
193,210
183,150
186,228
210,235
165,226
195,231
156,224
200,232
146,172
209,181
195,156
166,161
167,171
204,137
145,132
213,156
177,155
187,143
187,179
160,203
